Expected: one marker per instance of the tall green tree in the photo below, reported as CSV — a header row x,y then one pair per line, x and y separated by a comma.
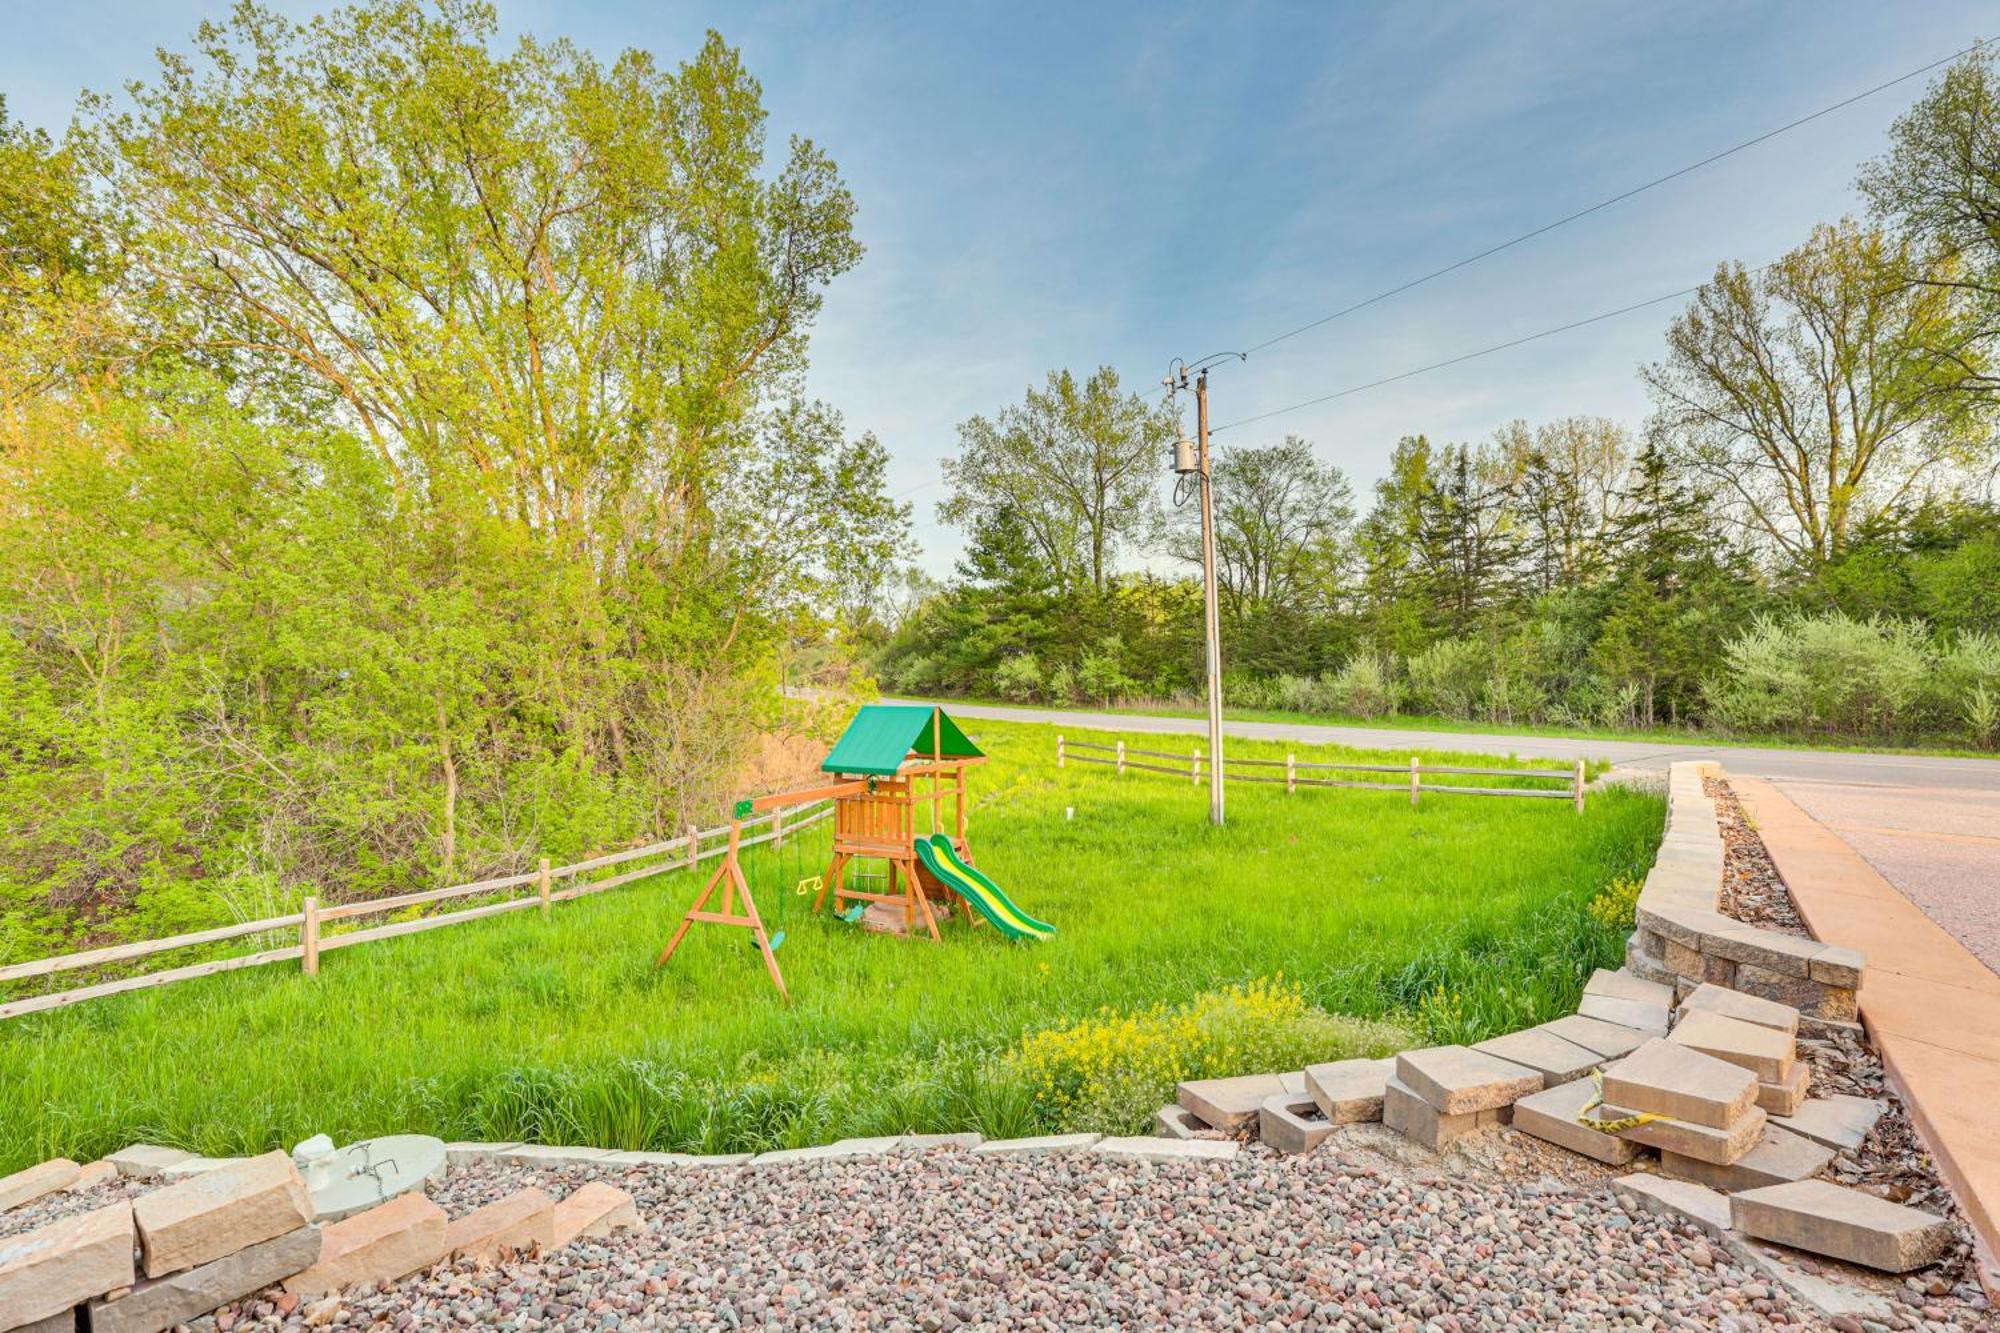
x,y
1075,466
1939,183
1809,394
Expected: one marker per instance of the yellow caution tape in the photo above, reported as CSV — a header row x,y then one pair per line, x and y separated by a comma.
x,y
1632,1121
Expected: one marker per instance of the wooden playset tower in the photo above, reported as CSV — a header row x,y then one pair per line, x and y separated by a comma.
x,y
885,755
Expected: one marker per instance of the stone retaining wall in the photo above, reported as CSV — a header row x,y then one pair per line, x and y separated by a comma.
x,y
1683,941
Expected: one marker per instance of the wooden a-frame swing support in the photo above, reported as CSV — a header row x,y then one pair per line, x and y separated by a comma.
x,y
729,878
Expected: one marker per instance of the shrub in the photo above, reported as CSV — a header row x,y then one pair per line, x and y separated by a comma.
x,y
1362,688
1826,673
1103,676
1060,687
1112,1071
1019,678
1449,677
1305,694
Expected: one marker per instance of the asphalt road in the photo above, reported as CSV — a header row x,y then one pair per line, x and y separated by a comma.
x,y
1888,770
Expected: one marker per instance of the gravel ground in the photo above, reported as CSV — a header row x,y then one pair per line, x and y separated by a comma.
x,y
1892,1162
1368,1232
945,1240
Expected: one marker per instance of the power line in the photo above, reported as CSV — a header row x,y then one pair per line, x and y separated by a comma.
x,y
1614,199
1469,356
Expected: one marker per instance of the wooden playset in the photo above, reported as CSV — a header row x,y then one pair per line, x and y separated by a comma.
x,y
880,765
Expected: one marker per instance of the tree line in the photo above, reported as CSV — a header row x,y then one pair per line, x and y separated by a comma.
x,y
1801,539
404,471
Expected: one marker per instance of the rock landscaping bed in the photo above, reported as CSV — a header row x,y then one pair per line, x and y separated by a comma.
x,y
1752,892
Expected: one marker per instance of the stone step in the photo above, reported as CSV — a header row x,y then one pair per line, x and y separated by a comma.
x,y
1145,1148
1710,998
1765,1052
145,1161
162,1302
1777,1157
1623,985
1457,1080
1420,1122
1839,1121
46,1271
1645,1015
1551,1115
1174,1121
1680,1200
1555,1058
1823,1218
1349,1092
1040,1145
1787,1097
1291,1123
1608,1040
515,1224
1682,1084
591,1210
1719,1146
1227,1103
27,1185
385,1243
219,1212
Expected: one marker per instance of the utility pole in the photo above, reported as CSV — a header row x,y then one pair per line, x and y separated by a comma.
x,y
1193,460
1211,613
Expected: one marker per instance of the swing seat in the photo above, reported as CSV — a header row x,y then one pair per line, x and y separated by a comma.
x,y
852,916
776,940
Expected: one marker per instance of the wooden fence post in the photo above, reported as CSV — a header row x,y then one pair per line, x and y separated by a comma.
x,y
542,886
1579,786
309,937
694,843
1291,776
1194,767
778,827
1059,750
1413,782
1121,759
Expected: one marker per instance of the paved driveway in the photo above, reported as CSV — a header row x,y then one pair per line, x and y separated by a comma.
x,y
1974,777
1940,846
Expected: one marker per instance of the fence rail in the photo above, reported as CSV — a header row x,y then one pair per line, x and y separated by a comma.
x,y
1193,766
685,852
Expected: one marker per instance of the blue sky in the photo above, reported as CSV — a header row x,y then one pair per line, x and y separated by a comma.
x,y
1073,185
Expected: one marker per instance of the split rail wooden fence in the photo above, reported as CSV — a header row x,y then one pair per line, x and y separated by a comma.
x,y
1193,767
679,853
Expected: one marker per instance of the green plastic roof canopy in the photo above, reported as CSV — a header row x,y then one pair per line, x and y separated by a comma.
x,y
882,735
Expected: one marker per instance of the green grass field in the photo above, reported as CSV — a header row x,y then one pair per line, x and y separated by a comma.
x,y
1465,917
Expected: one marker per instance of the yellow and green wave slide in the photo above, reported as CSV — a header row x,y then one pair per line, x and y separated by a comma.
x,y
942,859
